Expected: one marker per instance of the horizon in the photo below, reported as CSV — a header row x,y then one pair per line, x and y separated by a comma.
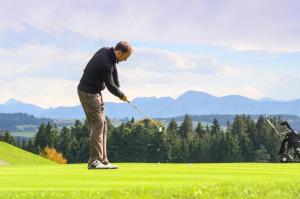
x,y
156,97
224,48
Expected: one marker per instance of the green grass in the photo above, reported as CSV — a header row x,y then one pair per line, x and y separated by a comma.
x,y
15,156
30,176
137,180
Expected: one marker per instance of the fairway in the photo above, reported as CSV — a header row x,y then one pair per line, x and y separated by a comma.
x,y
139,180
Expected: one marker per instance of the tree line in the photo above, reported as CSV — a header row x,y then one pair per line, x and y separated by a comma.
x,y
10,121
243,140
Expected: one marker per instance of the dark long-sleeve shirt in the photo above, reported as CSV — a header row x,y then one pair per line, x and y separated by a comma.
x,y
101,71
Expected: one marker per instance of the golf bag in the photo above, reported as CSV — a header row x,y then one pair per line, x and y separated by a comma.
x,y
290,144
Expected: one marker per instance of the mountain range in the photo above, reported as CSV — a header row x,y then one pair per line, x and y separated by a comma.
x,y
190,102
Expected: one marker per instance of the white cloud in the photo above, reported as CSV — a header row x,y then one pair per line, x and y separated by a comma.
x,y
40,91
44,75
42,70
270,25
165,61
48,75
283,87
35,60
156,72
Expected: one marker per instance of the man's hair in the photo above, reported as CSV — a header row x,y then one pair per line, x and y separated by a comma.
x,y
123,46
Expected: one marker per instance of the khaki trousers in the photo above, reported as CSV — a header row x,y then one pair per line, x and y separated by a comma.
x,y
93,107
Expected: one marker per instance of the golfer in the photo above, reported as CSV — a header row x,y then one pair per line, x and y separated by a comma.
x,y
101,71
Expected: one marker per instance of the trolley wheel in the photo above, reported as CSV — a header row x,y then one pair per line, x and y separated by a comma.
x,y
285,158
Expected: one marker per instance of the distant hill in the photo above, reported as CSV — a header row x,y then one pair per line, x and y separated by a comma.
x,y
191,102
11,155
16,106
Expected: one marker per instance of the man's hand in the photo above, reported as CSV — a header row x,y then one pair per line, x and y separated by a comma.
x,y
124,98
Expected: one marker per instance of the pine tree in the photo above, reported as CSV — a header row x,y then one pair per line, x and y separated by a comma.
x,y
186,127
82,152
80,130
231,149
40,140
173,127
239,128
30,146
261,154
200,129
8,138
168,147
175,143
51,135
138,143
67,144
184,155
196,149
268,138
215,128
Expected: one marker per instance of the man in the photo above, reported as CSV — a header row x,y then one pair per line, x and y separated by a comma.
x,y
101,71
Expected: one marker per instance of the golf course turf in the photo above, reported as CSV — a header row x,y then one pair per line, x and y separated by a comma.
x,y
12,155
139,180
148,180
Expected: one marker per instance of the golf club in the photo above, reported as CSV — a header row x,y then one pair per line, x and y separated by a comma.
x,y
160,129
270,123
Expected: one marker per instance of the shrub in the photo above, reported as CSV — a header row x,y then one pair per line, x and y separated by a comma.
x,y
52,154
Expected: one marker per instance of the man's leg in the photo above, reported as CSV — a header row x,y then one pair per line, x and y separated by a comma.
x,y
96,143
105,159
93,108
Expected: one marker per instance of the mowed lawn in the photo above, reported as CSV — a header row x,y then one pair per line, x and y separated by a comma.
x,y
153,180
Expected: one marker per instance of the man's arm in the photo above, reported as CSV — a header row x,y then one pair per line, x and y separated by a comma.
x,y
115,76
110,84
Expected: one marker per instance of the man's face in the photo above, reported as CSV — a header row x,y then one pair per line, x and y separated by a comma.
x,y
122,56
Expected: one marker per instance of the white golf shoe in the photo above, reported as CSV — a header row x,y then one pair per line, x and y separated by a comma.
x,y
111,166
98,165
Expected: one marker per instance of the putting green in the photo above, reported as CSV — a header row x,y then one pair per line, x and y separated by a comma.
x,y
139,180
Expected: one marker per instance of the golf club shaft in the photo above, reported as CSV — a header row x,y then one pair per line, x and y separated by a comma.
x,y
139,110
270,123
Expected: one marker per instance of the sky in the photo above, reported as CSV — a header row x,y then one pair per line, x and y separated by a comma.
x,y
222,47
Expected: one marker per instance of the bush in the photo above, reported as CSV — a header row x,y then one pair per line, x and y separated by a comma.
x,y
261,154
52,154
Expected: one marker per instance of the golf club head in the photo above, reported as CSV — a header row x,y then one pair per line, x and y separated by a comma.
x,y
160,129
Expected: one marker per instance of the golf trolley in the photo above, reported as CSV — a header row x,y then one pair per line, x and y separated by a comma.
x,y
290,143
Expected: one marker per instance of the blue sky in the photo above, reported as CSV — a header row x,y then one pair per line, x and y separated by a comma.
x,y
249,48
